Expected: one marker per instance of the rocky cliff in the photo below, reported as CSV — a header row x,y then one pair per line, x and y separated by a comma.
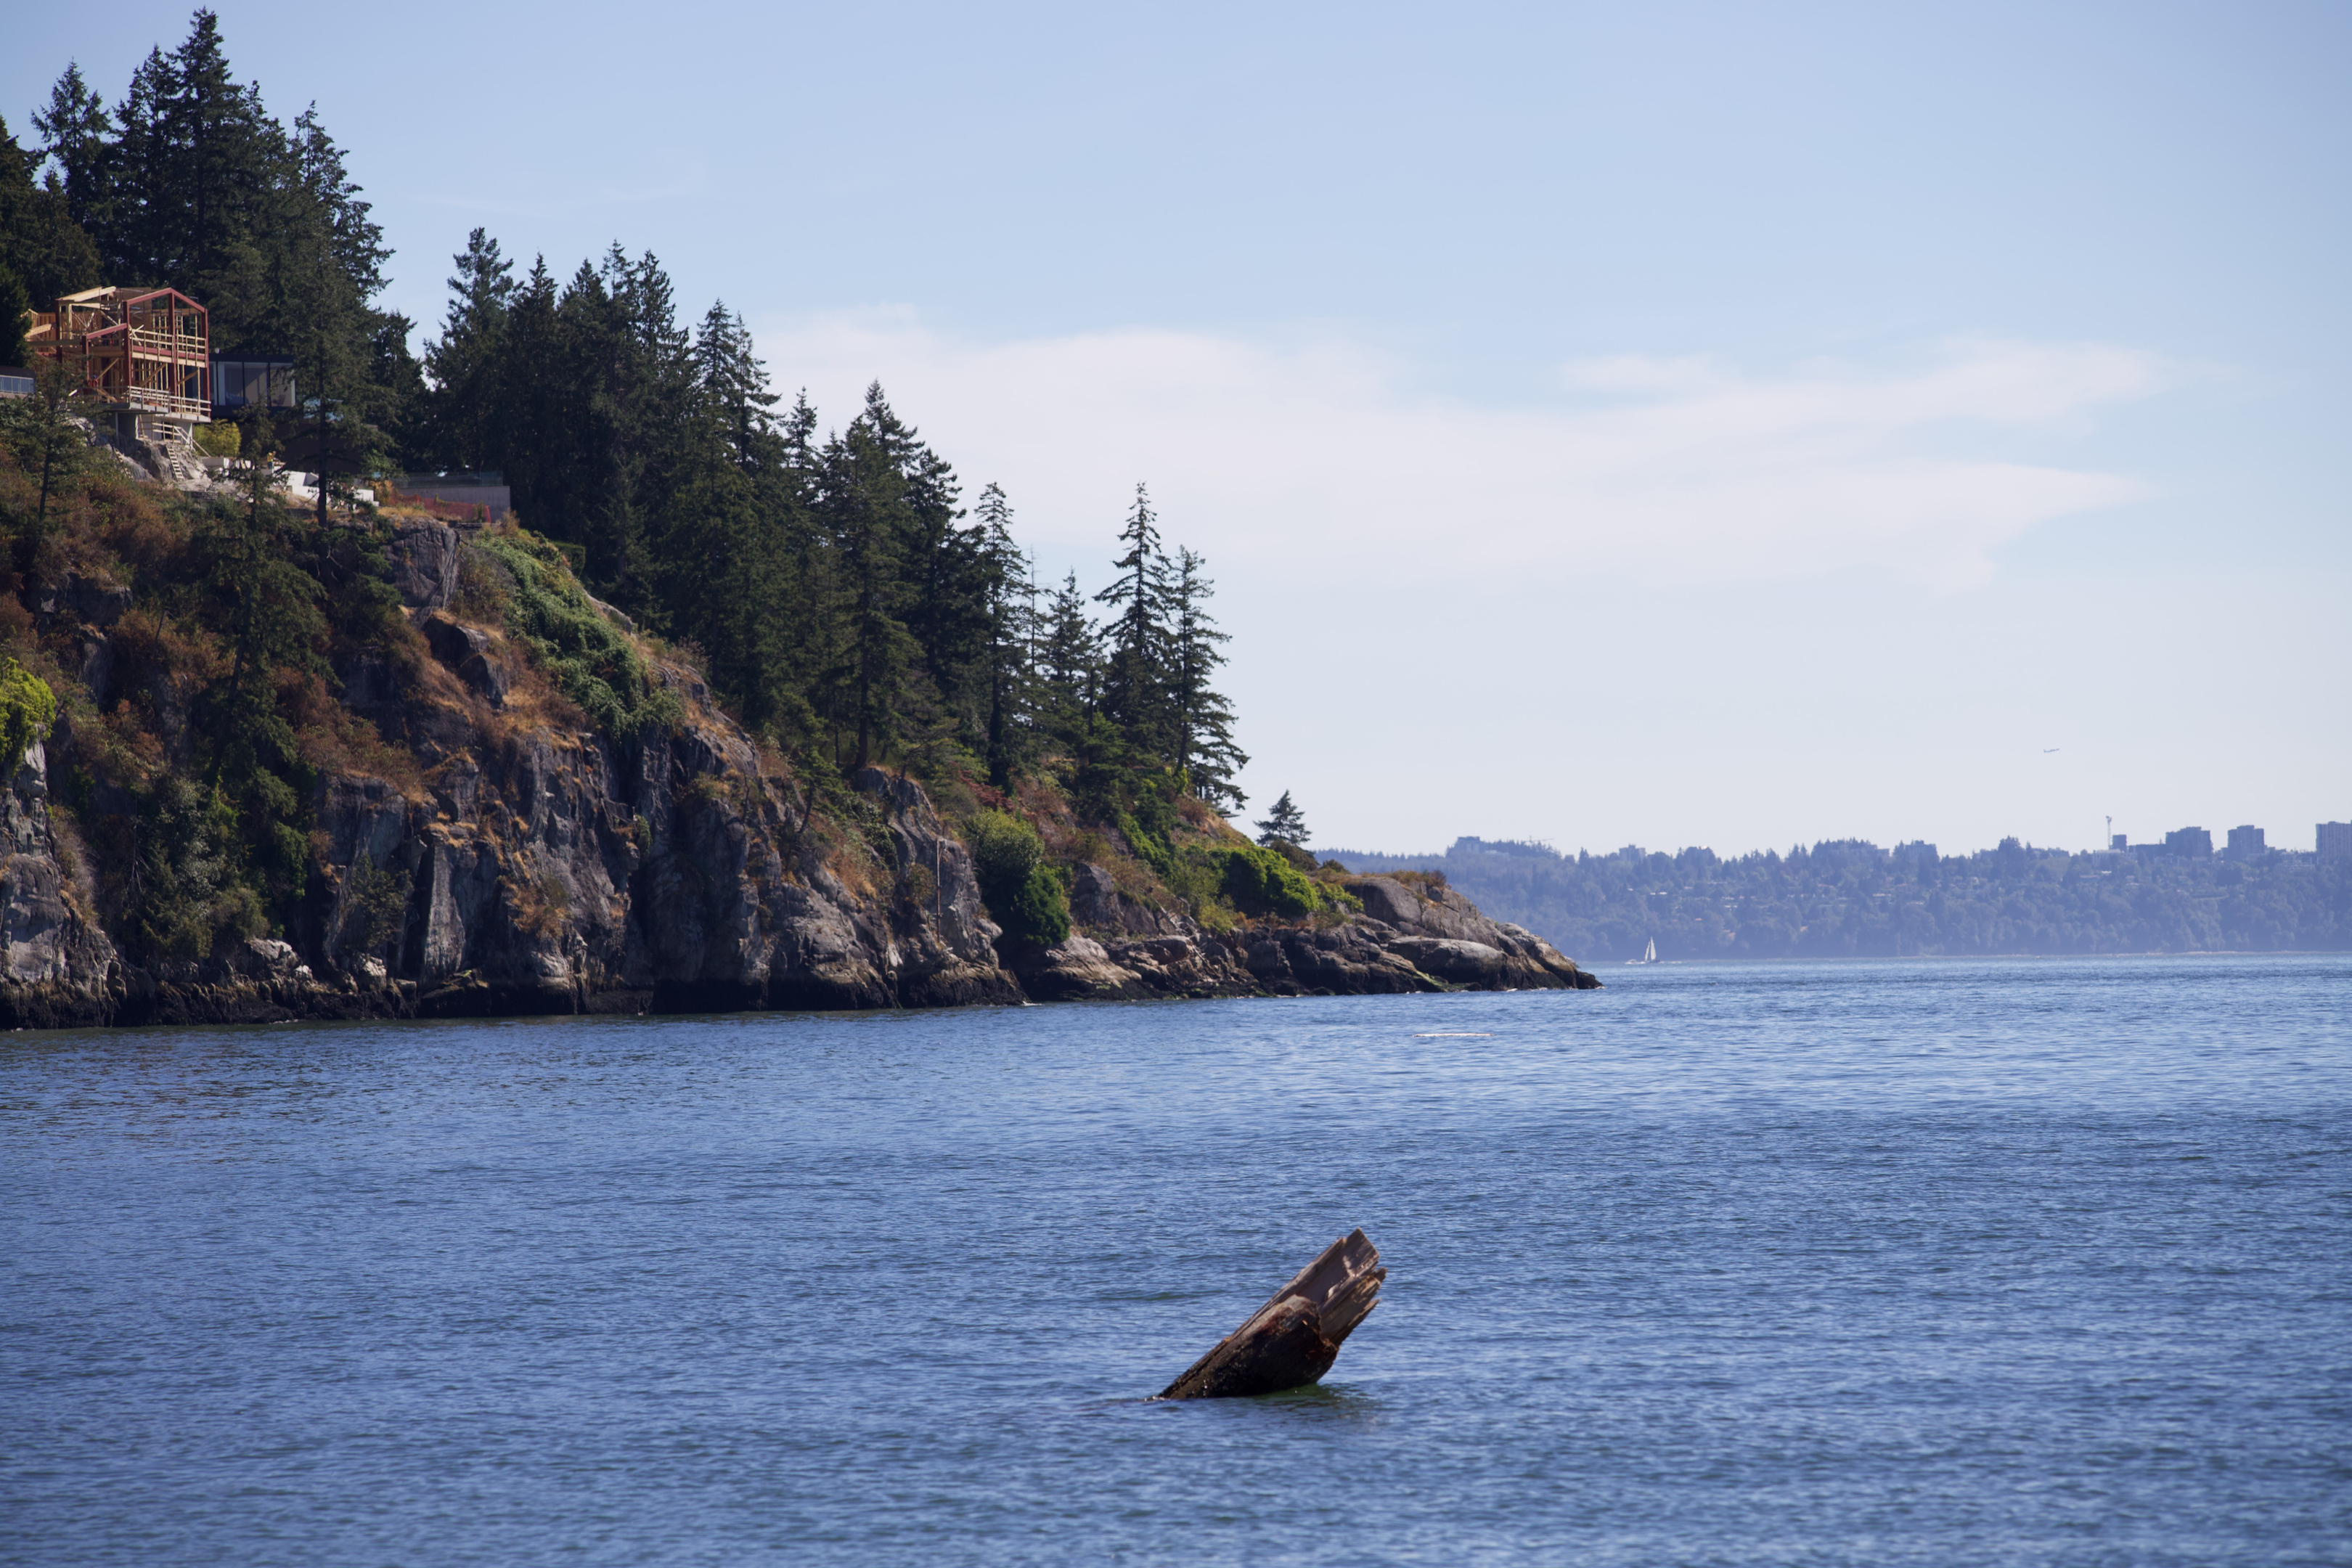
x,y
496,853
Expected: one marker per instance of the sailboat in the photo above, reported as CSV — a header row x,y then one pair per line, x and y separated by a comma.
x,y
1648,953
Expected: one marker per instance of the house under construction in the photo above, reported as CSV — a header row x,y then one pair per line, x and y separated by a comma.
x,y
143,355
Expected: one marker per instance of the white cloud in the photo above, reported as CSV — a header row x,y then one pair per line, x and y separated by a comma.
x,y
1323,458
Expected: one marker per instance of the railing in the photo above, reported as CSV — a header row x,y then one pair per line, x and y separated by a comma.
x,y
149,400
175,345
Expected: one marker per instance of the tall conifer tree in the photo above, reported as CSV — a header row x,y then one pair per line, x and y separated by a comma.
x,y
1135,671
1201,716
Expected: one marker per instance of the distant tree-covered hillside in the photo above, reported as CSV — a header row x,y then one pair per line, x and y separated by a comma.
x,y
1848,899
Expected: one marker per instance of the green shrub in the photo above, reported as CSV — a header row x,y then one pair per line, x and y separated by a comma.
x,y
1261,881
27,708
1039,912
592,661
1293,854
1003,847
1022,892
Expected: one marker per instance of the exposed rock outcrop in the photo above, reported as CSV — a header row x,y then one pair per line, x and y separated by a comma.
x,y
1408,938
60,967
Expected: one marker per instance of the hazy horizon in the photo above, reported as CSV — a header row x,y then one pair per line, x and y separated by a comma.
x,y
1695,426
1943,851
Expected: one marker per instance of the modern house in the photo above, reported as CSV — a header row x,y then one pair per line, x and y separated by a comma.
x,y
249,379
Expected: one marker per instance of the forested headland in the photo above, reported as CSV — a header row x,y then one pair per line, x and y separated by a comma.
x,y
1850,898
738,706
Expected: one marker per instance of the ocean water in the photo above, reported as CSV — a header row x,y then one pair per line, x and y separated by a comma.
x,y
2024,1262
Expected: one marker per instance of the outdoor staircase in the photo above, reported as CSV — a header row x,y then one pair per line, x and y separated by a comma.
x,y
176,448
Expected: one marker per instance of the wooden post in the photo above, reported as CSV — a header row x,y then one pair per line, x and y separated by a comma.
x,y
1293,1339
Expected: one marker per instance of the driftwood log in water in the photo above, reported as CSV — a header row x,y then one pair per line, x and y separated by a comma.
x,y
1293,1339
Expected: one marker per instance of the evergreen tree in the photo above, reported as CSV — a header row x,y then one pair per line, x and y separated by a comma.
x,y
1285,823
946,606
528,434
46,443
40,245
734,385
77,139
466,360
1135,671
1012,610
723,558
864,504
268,608
1069,665
1202,717
15,305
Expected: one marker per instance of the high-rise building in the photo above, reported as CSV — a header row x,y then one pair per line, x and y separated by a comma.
x,y
2189,843
2245,844
2335,841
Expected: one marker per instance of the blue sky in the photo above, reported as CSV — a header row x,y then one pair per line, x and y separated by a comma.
x,y
1697,423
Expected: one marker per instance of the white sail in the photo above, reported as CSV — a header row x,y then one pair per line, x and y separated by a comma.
x,y
1649,954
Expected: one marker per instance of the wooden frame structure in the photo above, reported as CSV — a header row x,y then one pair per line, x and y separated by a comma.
x,y
146,352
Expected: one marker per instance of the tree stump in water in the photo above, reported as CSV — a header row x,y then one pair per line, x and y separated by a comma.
x,y
1293,1339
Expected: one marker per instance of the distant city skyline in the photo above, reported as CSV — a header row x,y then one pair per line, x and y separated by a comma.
x,y
1706,425
2244,841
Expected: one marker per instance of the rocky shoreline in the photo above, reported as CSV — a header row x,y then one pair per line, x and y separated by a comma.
x,y
501,858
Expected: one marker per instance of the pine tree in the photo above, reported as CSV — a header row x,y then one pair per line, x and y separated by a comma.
x,y
1069,665
864,502
1135,672
267,610
1203,717
76,135
1286,824
466,359
734,385
1012,607
528,432
15,305
946,604
40,245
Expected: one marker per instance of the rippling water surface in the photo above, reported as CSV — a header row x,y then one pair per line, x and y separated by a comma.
x,y
1936,1263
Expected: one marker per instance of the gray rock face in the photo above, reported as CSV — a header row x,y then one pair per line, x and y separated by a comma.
x,y
57,964
1097,904
477,657
424,561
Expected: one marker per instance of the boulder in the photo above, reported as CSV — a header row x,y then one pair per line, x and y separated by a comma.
x,y
1097,903
424,561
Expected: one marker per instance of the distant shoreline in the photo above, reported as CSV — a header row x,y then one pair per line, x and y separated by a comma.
x,y
1603,966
